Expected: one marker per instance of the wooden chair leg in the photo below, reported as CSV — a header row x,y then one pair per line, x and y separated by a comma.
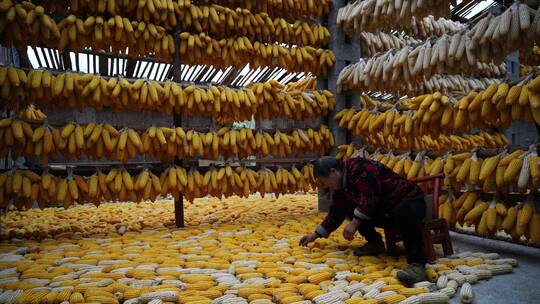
x,y
447,243
429,251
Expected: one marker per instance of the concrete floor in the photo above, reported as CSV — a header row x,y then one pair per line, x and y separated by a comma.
x,y
522,286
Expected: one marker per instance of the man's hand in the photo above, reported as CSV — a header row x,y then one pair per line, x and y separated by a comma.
x,y
350,229
308,238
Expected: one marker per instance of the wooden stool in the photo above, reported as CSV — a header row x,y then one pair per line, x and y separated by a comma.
x,y
435,230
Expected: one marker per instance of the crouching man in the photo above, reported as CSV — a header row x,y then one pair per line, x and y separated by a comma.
x,y
370,194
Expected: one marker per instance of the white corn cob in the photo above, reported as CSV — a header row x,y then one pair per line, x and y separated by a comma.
x,y
331,297
500,269
449,291
471,278
512,262
155,301
384,294
375,285
442,281
423,284
263,301
490,256
371,294
354,288
411,300
223,298
482,274
299,302
466,294
168,296
453,284
433,298
458,277
357,294
462,255
446,272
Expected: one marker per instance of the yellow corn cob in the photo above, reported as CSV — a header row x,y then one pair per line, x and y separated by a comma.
x,y
512,171
463,172
505,161
318,278
525,214
488,167
412,291
64,295
476,212
491,217
312,294
76,297
474,171
534,229
431,274
393,299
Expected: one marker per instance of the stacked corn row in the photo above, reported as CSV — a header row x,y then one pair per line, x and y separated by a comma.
x,y
496,106
27,24
306,8
261,264
225,22
437,143
494,218
162,13
263,100
22,188
429,27
455,53
112,218
373,43
375,15
256,26
453,83
238,51
103,141
443,83
376,42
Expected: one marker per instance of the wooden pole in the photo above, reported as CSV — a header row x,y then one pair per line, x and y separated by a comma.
x,y
179,211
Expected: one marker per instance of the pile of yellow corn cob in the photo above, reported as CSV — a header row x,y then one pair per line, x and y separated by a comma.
x,y
256,262
109,218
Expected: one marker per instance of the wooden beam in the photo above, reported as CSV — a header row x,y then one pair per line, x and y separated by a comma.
x,y
179,211
103,66
66,59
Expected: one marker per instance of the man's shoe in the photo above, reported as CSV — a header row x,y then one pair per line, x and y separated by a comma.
x,y
414,273
370,249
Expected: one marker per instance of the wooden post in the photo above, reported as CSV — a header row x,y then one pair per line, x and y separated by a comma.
x,y
179,211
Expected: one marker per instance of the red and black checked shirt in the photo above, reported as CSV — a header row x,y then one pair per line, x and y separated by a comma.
x,y
369,190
